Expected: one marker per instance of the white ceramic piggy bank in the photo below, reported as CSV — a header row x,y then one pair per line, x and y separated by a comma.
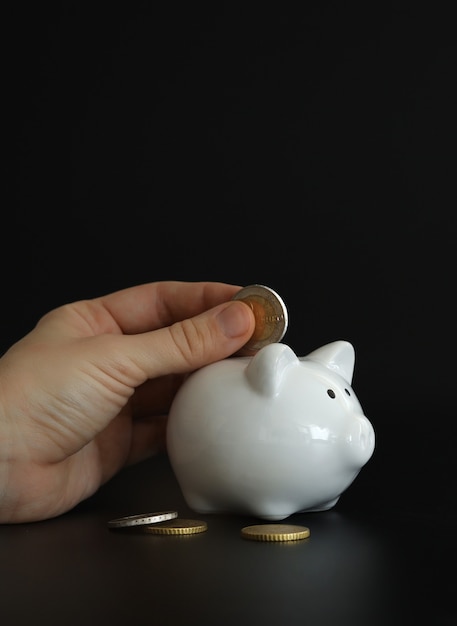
x,y
269,435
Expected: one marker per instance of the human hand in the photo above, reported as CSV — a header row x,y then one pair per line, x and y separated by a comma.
x,y
87,391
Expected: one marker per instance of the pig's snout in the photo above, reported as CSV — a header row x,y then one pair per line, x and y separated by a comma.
x,y
360,439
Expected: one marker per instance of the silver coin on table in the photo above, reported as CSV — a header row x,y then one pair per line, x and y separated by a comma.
x,y
142,518
271,317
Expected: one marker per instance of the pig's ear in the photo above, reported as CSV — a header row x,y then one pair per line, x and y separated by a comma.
x,y
338,356
265,372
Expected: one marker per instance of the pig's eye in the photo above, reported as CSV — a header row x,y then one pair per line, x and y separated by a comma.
x,y
348,392
331,393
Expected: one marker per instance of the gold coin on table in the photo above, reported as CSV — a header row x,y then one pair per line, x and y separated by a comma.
x,y
141,519
178,527
271,318
275,532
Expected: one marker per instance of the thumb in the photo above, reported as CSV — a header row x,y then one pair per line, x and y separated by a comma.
x,y
192,343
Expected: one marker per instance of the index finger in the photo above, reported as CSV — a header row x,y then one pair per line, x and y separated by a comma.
x,y
155,305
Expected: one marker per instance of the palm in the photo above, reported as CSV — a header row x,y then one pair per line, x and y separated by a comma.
x,y
82,408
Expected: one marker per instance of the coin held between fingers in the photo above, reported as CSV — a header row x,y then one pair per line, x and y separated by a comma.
x,y
271,317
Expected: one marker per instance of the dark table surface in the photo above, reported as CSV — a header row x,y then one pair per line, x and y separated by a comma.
x,y
356,567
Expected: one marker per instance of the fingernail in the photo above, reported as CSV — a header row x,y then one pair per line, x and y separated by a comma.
x,y
235,319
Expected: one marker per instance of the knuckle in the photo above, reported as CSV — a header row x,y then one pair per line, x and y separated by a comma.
x,y
190,341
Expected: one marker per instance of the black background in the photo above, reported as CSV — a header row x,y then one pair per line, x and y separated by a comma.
x,y
310,148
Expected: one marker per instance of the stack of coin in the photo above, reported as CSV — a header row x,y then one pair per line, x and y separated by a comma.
x,y
161,523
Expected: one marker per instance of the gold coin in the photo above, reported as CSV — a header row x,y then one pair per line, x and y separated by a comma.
x,y
141,519
178,527
275,532
270,314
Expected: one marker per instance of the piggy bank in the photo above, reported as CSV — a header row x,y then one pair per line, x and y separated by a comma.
x,y
269,435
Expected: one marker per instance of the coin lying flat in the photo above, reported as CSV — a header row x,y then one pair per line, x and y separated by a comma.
x,y
275,532
178,527
270,314
142,519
